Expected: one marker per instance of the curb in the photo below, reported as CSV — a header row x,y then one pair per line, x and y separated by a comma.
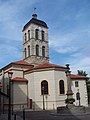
x,y
57,114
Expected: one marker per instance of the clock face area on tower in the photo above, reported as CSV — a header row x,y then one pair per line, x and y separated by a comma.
x,y
35,42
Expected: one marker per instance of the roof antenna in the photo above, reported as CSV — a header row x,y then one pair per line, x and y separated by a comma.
x,y
34,15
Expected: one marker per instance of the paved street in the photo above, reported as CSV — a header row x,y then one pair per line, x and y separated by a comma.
x,y
51,115
5,117
48,115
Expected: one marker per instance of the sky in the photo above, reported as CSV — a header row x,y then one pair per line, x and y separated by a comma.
x,y
69,30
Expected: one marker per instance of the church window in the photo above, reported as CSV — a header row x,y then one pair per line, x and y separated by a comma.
x,y
61,87
43,51
37,50
28,50
25,52
76,84
43,35
36,33
44,87
25,36
28,34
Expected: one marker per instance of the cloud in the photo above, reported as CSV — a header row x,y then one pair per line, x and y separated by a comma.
x,y
72,40
63,43
69,29
80,64
11,23
9,53
11,13
75,46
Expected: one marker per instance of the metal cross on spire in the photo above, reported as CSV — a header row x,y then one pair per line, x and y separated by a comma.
x,y
34,14
34,10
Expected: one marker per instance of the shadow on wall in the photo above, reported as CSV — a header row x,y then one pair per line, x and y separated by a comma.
x,y
19,97
35,106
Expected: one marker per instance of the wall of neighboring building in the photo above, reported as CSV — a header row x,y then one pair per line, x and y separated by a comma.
x,y
82,90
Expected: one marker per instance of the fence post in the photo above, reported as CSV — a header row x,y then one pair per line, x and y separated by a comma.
x,y
14,116
24,114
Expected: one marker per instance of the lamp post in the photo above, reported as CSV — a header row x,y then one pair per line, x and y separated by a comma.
x,y
0,97
9,106
43,98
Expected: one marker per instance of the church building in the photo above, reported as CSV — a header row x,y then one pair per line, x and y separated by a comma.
x,y
36,83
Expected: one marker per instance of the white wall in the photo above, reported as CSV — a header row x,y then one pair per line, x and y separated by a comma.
x,y
82,90
60,98
36,83
53,99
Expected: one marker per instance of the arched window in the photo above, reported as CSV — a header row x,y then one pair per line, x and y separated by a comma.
x,y
44,87
28,50
25,52
43,35
36,33
43,51
61,87
28,34
37,50
25,36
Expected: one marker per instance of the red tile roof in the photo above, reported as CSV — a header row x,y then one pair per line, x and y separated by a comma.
x,y
73,76
46,65
21,62
19,79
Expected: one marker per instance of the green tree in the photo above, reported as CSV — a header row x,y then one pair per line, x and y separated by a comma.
x,y
83,73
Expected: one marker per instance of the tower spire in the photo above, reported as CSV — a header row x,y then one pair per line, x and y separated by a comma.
x,y
34,15
35,41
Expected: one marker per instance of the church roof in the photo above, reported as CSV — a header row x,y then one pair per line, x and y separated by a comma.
x,y
73,76
19,79
21,62
46,65
35,21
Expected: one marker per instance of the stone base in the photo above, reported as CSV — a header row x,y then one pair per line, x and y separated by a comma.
x,y
70,106
71,109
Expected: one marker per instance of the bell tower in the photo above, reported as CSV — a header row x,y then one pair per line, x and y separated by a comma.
x,y
35,41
